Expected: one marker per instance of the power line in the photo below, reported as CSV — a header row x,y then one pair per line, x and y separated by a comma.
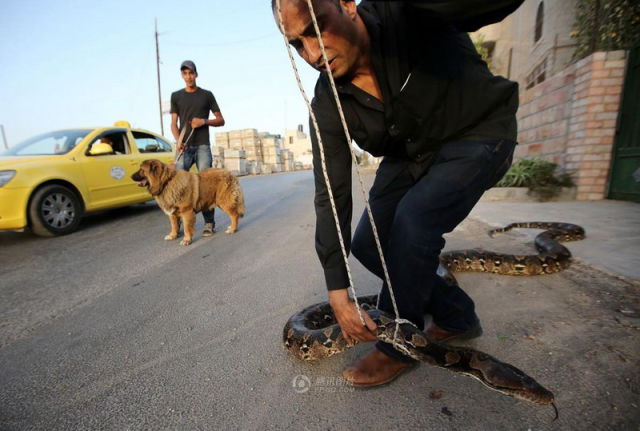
x,y
235,42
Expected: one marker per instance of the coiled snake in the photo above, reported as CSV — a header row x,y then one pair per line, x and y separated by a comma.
x,y
313,333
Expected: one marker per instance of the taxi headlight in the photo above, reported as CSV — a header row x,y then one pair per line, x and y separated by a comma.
x,y
5,177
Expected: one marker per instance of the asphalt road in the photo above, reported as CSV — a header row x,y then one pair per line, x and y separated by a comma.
x,y
113,328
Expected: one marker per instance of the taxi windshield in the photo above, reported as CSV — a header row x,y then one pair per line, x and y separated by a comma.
x,y
48,144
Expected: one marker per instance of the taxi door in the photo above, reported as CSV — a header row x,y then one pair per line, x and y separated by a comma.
x,y
150,146
108,176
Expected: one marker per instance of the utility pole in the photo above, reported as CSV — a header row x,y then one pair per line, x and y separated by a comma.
x,y
4,137
158,69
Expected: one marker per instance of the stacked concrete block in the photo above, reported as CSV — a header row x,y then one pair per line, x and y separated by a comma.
x,y
222,139
254,167
286,157
218,157
269,140
271,151
271,155
235,162
253,147
218,151
263,152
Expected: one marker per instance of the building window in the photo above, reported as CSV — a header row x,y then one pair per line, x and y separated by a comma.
x,y
539,22
538,74
291,140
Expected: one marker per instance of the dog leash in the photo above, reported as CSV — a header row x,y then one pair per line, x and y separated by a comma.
x,y
181,144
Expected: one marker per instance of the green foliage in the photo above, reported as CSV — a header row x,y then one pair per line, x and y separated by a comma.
x,y
481,47
605,25
541,177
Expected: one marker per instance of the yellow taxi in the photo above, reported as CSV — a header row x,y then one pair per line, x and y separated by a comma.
x,y
49,181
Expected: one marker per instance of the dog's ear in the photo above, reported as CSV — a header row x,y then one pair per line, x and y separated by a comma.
x,y
145,165
155,167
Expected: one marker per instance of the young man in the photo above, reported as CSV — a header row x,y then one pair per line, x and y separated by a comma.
x,y
414,90
192,105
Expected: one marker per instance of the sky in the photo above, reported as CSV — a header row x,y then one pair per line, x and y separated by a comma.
x,y
73,63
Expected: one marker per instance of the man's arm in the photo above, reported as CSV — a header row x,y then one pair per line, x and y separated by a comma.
x,y
174,126
218,121
174,117
338,161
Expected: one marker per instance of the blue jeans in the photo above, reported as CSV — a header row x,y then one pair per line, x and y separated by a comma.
x,y
412,215
200,155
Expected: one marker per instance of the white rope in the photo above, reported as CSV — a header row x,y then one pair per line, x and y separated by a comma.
x,y
324,164
354,160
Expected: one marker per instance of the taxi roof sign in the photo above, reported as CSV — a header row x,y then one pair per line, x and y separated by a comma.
x,y
122,123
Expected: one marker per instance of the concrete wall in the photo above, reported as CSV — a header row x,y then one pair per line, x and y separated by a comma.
x,y
570,119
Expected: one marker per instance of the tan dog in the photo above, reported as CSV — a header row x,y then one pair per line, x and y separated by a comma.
x,y
182,194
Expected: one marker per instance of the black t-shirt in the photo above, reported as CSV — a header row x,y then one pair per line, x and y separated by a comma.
x,y
194,105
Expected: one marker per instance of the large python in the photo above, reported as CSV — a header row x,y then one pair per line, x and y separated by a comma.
x,y
313,333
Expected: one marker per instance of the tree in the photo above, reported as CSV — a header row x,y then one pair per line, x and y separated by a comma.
x,y
483,49
605,25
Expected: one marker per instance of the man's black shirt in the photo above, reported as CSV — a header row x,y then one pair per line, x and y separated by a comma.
x,y
436,89
194,105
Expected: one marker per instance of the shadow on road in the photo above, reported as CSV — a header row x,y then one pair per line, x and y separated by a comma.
x,y
88,222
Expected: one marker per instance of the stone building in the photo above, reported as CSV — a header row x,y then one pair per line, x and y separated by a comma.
x,y
299,144
532,43
569,111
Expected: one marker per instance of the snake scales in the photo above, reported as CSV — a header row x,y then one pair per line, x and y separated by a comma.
x,y
313,333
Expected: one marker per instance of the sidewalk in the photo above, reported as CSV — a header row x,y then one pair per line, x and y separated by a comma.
x,y
612,228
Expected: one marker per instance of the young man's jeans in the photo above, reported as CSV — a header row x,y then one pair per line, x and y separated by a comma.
x,y
412,215
200,155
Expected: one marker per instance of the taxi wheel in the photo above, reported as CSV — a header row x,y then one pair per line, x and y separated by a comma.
x,y
54,210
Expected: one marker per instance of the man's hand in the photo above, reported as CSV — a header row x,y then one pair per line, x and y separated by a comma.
x,y
349,320
179,148
198,122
